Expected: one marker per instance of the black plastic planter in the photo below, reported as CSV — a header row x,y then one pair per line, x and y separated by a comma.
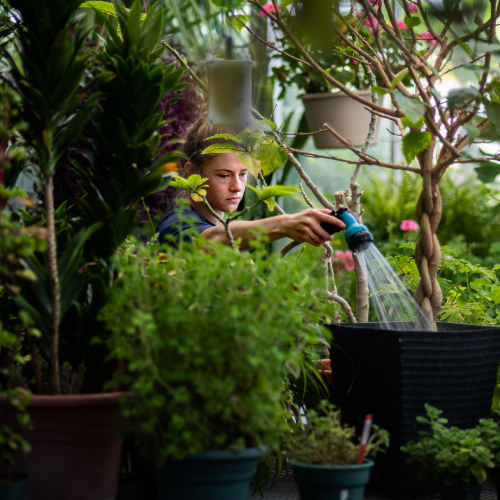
x,y
392,374
211,475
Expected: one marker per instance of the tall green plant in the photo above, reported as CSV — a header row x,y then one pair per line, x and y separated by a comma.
x,y
49,77
122,137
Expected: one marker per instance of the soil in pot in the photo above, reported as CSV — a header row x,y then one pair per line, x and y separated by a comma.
x,y
345,115
394,373
211,475
15,489
331,482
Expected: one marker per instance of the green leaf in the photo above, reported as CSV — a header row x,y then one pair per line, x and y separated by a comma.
x,y
488,172
227,4
398,78
380,90
412,107
250,161
228,137
412,21
456,97
465,47
472,131
180,183
195,181
271,204
238,22
272,191
408,123
271,157
493,113
286,3
219,148
104,7
414,142
258,192
270,123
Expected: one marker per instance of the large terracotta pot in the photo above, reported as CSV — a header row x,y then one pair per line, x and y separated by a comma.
x,y
76,447
345,115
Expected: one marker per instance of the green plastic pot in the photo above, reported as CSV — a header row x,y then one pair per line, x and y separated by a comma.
x,y
331,482
17,489
460,491
210,475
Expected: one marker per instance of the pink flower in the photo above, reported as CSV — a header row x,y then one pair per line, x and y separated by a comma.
x,y
268,8
372,24
426,37
348,261
401,25
340,253
413,7
408,225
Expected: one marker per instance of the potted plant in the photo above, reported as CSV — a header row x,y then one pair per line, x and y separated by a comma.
x,y
458,459
326,460
61,87
206,347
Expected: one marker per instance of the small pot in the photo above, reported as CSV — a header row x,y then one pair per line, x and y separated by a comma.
x,y
210,475
17,489
460,490
331,482
345,115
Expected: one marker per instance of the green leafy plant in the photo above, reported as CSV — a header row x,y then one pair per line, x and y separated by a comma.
x,y
324,440
207,338
450,454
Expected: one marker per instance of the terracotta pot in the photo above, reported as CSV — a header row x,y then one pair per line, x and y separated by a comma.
x,y
76,449
345,115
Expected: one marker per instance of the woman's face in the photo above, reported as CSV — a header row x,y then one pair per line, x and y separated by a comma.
x,y
227,178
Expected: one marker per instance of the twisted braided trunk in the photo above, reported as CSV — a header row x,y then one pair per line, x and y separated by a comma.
x,y
428,251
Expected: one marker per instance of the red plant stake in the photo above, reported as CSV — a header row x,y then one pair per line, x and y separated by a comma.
x,y
367,426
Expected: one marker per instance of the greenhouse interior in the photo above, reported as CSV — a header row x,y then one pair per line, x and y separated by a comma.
x,y
322,174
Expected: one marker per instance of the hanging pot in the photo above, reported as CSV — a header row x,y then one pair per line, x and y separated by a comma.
x,y
76,449
210,475
345,115
331,482
15,489
392,374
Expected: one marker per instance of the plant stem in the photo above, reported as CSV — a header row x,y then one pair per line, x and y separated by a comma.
x,y
55,384
229,235
149,215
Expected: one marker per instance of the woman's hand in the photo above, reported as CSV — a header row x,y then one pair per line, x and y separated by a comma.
x,y
305,227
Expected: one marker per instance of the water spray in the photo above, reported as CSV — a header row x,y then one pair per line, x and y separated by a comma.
x,y
357,236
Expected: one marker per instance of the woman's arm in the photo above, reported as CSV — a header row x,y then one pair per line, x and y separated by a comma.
x,y
303,227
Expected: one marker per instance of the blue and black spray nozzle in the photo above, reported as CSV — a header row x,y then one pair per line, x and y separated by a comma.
x,y
356,235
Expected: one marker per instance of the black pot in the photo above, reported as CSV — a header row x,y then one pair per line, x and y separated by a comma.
x,y
17,489
392,374
210,475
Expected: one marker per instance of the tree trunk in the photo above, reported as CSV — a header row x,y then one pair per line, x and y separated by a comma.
x,y
428,251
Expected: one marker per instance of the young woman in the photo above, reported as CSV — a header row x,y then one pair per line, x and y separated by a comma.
x,y
227,178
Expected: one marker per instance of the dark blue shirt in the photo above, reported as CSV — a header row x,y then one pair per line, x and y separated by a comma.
x,y
169,224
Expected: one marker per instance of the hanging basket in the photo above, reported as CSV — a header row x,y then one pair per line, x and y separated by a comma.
x,y
345,115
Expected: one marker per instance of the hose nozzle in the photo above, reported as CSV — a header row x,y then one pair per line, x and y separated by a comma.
x,y
356,235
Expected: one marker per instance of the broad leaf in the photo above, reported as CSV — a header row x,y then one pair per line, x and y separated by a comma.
x,y
412,107
180,183
412,21
472,131
272,191
250,161
195,181
104,7
219,148
488,172
493,113
414,142
458,97
271,157
227,4
286,3
258,192
271,204
380,90
228,137
238,22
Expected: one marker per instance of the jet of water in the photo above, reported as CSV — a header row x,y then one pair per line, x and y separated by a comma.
x,y
395,306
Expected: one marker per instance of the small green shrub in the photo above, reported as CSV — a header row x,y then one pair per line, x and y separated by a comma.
x,y
208,337
450,454
325,441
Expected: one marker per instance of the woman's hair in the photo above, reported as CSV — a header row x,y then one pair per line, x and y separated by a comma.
x,y
195,142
